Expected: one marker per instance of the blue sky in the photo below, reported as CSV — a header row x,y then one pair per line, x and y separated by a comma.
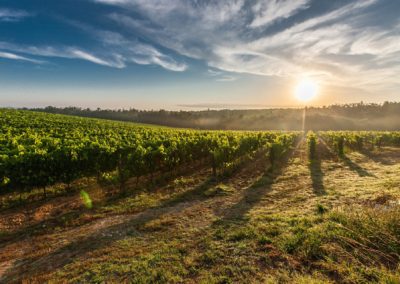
x,y
175,54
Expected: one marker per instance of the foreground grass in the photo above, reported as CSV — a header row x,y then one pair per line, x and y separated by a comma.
x,y
327,222
339,246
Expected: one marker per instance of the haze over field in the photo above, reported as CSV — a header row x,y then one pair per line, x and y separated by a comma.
x,y
336,117
178,54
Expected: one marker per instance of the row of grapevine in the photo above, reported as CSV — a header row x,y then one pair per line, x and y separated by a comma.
x,y
39,150
360,140
312,140
280,145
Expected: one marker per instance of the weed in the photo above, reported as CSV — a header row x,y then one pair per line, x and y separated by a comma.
x,y
321,209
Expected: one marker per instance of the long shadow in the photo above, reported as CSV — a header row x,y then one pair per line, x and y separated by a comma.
x,y
328,153
36,229
251,197
377,157
254,194
146,184
356,168
104,237
315,167
317,176
42,227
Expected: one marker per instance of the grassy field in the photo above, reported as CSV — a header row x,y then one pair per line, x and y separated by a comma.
x,y
329,220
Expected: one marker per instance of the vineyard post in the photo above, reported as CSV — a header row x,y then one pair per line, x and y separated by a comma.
x,y
340,145
359,142
121,174
214,165
272,154
121,168
98,176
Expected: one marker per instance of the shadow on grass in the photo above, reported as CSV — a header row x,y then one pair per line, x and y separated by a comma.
x,y
102,237
44,226
255,193
251,197
10,200
106,236
317,176
315,167
388,158
356,168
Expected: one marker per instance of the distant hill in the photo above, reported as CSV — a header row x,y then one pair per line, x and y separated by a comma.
x,y
357,116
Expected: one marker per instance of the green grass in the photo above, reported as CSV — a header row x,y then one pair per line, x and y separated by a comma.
x,y
256,226
302,244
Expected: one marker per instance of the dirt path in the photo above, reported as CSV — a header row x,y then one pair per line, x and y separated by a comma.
x,y
293,188
29,254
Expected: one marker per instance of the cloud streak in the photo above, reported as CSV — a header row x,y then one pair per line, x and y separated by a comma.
x,y
9,15
269,11
116,58
344,43
12,56
128,50
273,38
76,53
57,52
221,76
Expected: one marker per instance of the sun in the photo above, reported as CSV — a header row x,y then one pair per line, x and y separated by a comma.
x,y
306,90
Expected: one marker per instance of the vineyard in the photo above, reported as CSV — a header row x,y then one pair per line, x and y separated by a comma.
x,y
40,150
360,140
236,206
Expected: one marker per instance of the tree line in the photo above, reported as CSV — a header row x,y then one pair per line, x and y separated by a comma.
x,y
357,116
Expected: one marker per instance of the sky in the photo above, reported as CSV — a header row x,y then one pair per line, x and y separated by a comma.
x,y
196,54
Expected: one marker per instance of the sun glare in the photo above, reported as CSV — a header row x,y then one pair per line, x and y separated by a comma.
x,y
306,90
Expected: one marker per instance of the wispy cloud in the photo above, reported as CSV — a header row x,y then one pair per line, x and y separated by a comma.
x,y
261,37
116,58
342,42
126,50
9,15
113,60
8,55
268,11
145,54
76,53
221,76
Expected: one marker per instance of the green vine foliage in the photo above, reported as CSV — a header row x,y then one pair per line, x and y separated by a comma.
x,y
39,150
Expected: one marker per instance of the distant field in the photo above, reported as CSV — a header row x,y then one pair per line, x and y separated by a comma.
x,y
93,201
24,115
359,116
